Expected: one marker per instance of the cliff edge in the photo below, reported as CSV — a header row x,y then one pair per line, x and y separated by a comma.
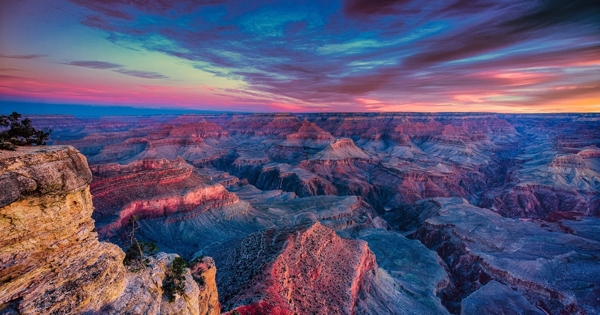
x,y
51,261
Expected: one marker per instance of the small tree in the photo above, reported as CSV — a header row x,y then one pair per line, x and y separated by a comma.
x,y
40,136
15,132
174,282
135,258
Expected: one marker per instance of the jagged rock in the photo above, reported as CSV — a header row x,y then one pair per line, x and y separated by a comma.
x,y
305,269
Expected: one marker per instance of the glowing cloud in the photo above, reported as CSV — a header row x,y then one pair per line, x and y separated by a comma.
x,y
345,55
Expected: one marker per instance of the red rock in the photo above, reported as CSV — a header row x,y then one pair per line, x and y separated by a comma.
x,y
154,188
302,270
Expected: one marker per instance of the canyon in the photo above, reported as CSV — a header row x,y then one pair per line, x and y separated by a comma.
x,y
341,213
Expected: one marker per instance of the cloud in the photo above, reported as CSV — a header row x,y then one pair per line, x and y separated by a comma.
x,y
94,64
389,50
142,74
367,7
103,65
33,56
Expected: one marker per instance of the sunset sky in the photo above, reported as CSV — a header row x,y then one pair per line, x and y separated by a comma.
x,y
303,56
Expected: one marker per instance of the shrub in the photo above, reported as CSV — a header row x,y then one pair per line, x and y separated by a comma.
x,y
135,255
174,282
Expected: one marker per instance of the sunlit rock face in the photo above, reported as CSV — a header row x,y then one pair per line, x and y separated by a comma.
x,y
151,188
51,261
423,213
309,269
50,257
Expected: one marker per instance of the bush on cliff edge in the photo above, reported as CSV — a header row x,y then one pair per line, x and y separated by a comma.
x,y
15,132
174,282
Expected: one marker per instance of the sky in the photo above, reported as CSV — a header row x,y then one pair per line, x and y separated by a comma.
x,y
303,56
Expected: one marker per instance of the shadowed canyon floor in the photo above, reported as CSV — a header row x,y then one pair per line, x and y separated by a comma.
x,y
355,213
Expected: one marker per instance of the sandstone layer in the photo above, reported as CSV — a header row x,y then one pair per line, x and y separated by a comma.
x,y
51,261
50,258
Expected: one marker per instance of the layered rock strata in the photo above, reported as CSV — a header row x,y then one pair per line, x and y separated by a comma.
x,y
155,188
51,261
50,258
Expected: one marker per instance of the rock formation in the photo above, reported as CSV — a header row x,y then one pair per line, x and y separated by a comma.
x,y
308,269
155,188
51,261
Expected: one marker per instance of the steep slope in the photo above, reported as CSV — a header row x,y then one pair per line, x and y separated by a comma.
x,y
155,188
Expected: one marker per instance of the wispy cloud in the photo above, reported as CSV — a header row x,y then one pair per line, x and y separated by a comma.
x,y
142,74
103,65
94,64
32,56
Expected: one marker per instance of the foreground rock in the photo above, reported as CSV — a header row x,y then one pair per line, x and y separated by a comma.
x,y
144,293
51,261
50,257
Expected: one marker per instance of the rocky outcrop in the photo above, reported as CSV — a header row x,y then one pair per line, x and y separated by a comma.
x,y
309,269
304,270
204,272
50,257
51,261
343,149
144,293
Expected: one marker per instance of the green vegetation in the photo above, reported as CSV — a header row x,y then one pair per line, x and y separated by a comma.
x,y
200,280
15,132
174,282
135,255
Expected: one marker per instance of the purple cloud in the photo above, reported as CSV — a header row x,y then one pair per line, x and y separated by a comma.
x,y
323,52
142,74
32,56
380,7
94,64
